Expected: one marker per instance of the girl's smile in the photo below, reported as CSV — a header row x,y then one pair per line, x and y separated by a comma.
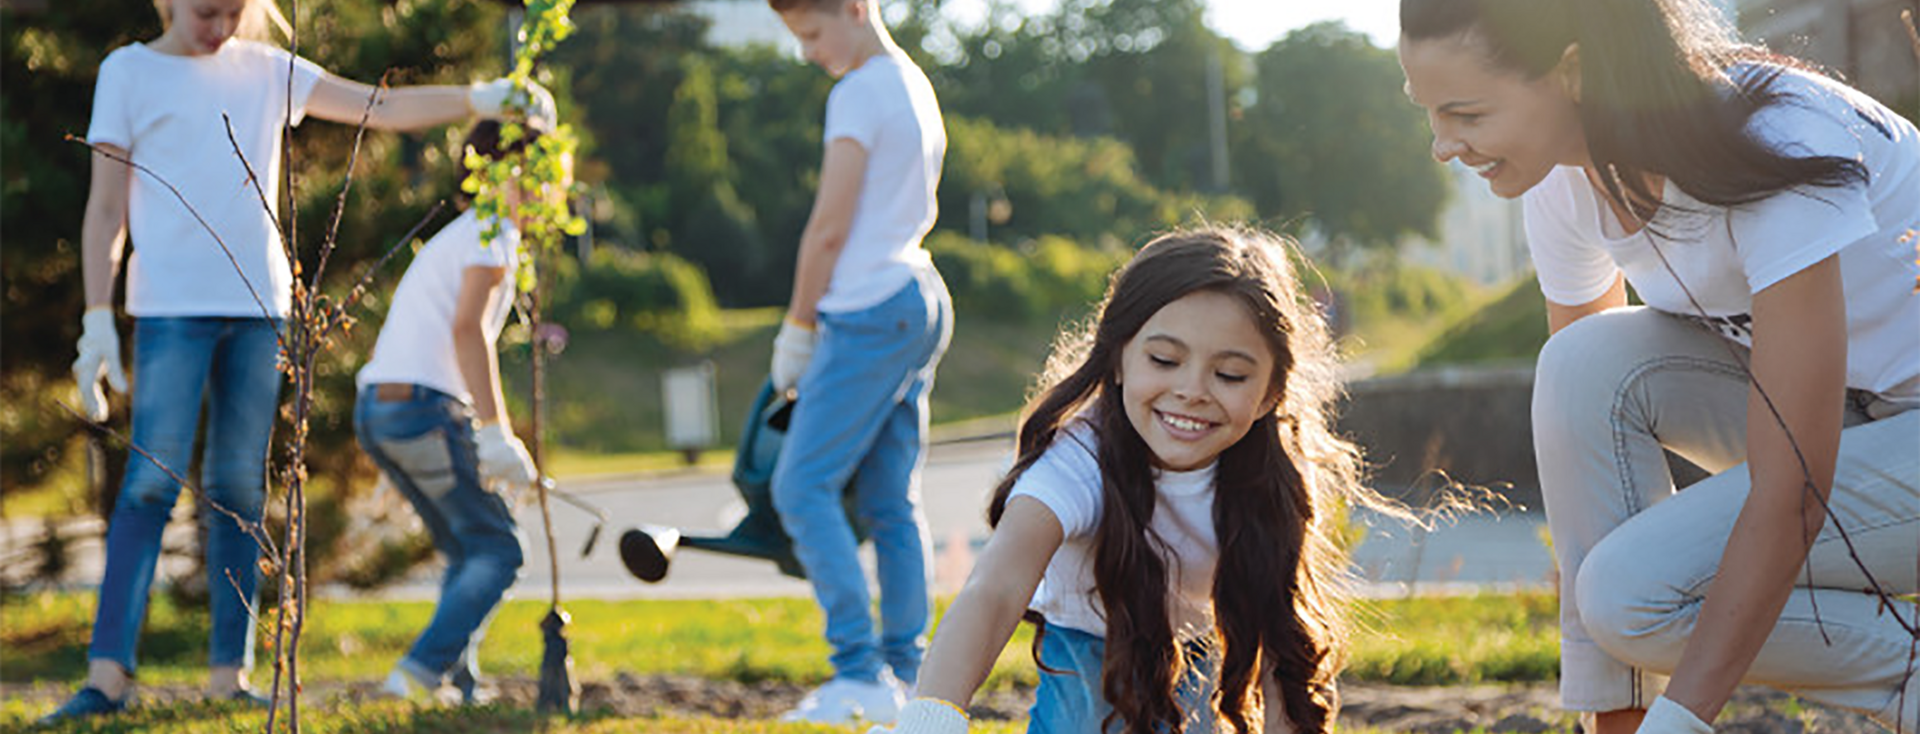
x,y
1195,378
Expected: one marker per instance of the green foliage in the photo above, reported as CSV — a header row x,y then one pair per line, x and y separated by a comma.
x,y
1331,139
651,293
47,68
1388,289
1033,283
1511,328
538,172
1387,312
1088,190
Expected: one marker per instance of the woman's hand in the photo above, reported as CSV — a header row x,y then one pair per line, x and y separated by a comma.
x,y
1667,717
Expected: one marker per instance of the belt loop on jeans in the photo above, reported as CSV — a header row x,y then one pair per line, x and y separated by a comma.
x,y
393,392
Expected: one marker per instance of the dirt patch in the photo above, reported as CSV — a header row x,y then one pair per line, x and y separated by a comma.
x,y
1518,709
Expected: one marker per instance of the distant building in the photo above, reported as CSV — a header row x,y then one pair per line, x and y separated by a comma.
x,y
1861,39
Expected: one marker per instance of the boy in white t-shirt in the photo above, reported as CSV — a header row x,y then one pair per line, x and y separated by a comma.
x,y
431,415
867,323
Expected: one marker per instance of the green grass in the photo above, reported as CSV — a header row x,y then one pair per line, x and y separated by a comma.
x,y
1420,641
391,716
1494,638
1423,641
1509,329
568,463
44,638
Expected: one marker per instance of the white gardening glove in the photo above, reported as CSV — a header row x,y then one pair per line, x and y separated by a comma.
x,y
1667,717
99,350
540,107
490,99
927,716
503,459
792,350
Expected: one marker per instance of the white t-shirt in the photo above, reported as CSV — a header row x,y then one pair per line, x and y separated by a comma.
x,y
166,111
1724,256
416,343
887,106
1066,479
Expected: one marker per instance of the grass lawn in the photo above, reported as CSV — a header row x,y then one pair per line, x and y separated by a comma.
x,y
392,716
1422,641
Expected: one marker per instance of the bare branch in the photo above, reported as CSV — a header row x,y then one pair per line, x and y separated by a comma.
x,y
353,159
337,316
162,180
251,527
1808,487
260,191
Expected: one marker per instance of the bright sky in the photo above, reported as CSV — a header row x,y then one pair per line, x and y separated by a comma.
x,y
1255,24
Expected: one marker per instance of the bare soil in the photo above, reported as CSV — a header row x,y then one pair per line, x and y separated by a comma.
x,y
1517,709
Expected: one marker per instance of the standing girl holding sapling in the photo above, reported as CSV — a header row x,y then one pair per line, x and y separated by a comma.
x,y
207,311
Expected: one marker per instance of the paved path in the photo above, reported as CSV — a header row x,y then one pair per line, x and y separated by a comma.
x,y
1475,552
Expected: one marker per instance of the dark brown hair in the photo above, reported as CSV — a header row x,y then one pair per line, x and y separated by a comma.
x,y
1656,96
1280,578
483,138
821,6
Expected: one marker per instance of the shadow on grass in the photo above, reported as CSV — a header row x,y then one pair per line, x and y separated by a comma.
x,y
381,717
40,648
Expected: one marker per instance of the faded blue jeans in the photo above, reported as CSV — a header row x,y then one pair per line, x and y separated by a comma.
x,y
424,443
1071,701
179,364
1636,557
861,416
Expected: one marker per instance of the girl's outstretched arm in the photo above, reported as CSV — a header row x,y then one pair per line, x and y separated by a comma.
x,y
1800,358
400,108
982,618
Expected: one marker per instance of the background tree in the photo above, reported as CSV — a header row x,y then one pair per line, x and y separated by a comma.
x,y
1330,139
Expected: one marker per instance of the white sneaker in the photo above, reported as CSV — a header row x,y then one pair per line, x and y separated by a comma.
x,y
845,700
406,684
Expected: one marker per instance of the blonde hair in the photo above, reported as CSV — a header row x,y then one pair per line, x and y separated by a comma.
x,y
255,21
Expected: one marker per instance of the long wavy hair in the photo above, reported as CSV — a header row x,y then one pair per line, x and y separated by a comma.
x,y
1280,581
1656,95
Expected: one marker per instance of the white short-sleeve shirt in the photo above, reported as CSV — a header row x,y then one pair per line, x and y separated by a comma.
x,y
1720,257
166,111
1066,478
887,106
416,342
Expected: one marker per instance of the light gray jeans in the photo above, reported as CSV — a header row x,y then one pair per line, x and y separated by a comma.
x,y
1636,557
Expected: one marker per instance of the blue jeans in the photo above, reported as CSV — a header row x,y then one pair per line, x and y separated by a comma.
x,y
179,364
424,442
862,417
1071,701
